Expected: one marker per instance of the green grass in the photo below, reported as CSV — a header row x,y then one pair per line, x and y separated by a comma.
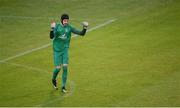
x,y
133,61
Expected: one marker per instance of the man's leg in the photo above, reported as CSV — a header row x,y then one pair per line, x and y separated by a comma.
x,y
57,62
55,73
65,70
64,76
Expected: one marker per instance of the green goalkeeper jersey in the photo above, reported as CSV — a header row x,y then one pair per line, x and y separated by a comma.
x,y
62,36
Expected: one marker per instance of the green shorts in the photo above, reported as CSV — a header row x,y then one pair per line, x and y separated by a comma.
x,y
61,57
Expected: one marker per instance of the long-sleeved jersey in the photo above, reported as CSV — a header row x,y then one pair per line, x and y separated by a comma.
x,y
62,36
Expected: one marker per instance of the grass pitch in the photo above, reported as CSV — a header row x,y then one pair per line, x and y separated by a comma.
x,y
133,61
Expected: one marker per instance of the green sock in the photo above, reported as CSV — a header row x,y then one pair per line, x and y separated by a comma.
x,y
55,73
64,76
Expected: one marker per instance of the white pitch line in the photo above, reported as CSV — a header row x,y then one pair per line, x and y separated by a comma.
x,y
27,17
46,45
101,25
45,17
25,66
26,52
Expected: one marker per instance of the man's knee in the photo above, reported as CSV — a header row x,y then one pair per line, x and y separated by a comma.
x,y
65,65
58,67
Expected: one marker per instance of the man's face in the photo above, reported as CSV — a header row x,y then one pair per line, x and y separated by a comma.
x,y
65,21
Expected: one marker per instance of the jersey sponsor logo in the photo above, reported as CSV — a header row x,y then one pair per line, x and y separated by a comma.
x,y
63,36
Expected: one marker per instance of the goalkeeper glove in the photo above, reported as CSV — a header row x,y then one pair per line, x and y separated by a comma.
x,y
53,24
85,24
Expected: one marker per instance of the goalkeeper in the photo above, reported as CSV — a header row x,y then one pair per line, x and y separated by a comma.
x,y
61,35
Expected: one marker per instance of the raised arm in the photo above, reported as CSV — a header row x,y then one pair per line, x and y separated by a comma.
x,y
82,32
51,34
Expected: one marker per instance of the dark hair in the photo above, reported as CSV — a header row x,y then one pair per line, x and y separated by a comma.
x,y
64,16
